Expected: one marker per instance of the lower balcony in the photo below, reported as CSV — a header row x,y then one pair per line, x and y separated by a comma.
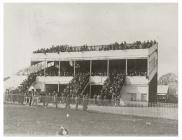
x,y
95,80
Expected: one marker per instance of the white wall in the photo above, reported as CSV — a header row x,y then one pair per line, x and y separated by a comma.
x,y
130,80
54,79
138,89
98,80
92,55
39,85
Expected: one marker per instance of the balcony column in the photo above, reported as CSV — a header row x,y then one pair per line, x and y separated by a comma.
x,y
59,73
74,68
126,67
90,78
45,74
45,67
148,67
107,67
58,86
90,67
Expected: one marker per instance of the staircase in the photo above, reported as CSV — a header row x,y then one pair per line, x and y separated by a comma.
x,y
25,77
82,90
77,85
35,68
25,85
113,85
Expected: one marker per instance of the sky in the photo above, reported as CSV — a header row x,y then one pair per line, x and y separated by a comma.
x,y
28,27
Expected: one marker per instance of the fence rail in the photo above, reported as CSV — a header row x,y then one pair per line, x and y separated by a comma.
x,y
134,108
40,99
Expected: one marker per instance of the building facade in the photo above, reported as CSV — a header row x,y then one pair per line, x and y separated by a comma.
x,y
140,67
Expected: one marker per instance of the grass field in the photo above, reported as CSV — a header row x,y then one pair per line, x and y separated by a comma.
x,y
39,121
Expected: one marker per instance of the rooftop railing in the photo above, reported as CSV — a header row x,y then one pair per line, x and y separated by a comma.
x,y
114,46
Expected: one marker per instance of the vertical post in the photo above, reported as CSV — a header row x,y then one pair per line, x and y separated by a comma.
x,y
74,68
107,67
58,86
59,73
45,74
90,78
148,66
45,67
126,67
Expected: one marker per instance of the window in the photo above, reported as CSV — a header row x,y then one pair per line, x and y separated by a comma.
x,y
132,96
143,97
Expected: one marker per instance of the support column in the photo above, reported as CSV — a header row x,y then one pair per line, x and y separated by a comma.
x,y
59,73
107,67
45,67
148,67
90,78
126,69
90,67
45,74
74,68
58,86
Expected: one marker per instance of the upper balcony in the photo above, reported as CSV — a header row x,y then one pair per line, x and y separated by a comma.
x,y
95,55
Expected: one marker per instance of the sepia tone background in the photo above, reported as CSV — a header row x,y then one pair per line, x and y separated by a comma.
x,y
28,27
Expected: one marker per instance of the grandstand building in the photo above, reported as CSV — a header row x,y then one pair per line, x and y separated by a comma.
x,y
128,71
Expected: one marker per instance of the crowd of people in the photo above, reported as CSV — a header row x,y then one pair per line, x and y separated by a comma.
x,y
112,86
130,73
34,98
77,84
71,94
73,91
136,73
114,46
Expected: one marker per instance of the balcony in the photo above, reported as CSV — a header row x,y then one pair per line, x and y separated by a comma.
x,y
92,55
54,79
98,80
95,80
136,80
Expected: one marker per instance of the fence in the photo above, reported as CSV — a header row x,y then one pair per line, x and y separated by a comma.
x,y
22,99
157,109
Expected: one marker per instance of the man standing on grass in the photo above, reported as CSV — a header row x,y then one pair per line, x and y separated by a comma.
x,y
76,102
30,97
67,102
85,102
54,96
56,99
35,98
46,99
95,99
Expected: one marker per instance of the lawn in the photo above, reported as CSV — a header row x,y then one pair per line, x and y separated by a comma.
x,y
39,121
